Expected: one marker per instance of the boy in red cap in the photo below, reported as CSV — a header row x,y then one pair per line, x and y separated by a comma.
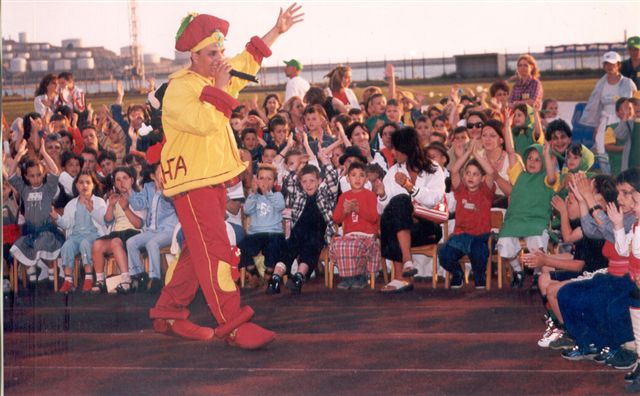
x,y
198,159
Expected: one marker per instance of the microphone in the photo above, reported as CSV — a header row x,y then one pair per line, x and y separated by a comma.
x,y
243,76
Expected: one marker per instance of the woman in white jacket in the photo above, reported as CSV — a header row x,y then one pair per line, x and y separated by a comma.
x,y
600,110
83,220
414,178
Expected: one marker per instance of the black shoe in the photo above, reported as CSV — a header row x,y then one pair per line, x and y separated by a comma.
x,y
140,282
633,375
274,284
534,283
518,280
155,285
99,287
480,283
565,342
456,280
622,359
295,283
578,353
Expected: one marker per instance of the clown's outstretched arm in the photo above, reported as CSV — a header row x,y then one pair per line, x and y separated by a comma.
x,y
286,19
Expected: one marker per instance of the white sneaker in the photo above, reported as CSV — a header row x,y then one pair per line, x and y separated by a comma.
x,y
549,336
6,286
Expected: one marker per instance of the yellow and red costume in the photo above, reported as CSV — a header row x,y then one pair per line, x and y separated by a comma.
x,y
199,156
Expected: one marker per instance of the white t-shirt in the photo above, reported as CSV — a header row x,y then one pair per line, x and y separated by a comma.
x,y
296,86
235,192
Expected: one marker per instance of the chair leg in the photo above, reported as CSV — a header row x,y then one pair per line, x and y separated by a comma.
x,y
385,272
326,274
447,280
77,263
434,268
243,276
330,271
23,272
499,272
55,275
488,274
372,280
14,276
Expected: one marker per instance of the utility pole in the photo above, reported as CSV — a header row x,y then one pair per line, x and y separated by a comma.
x,y
137,62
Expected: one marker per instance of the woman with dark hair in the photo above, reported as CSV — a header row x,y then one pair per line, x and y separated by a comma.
x,y
124,222
339,81
46,96
492,139
414,178
331,105
271,105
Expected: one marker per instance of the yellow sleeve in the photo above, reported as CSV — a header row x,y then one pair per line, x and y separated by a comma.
x,y
184,111
243,62
609,136
555,186
514,172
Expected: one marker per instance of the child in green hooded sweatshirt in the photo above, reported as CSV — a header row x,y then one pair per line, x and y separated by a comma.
x,y
529,212
526,128
579,159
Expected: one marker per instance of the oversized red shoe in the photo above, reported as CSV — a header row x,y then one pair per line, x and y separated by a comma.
x,y
183,328
250,336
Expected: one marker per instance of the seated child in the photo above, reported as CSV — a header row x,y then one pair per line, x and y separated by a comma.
x,y
474,192
312,217
41,239
157,231
579,160
123,223
358,251
83,220
265,234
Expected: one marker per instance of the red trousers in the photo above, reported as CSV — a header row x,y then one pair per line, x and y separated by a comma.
x,y
205,261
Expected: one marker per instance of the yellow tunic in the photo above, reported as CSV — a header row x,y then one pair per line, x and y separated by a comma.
x,y
200,149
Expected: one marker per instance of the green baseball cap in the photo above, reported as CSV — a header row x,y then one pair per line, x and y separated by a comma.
x,y
294,63
633,42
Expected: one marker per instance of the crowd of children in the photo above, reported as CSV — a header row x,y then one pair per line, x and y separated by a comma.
x,y
82,186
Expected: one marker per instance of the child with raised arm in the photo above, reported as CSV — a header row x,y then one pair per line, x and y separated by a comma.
x,y
358,251
529,209
264,208
37,188
474,193
312,217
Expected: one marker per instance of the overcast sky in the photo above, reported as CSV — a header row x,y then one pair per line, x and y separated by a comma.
x,y
336,31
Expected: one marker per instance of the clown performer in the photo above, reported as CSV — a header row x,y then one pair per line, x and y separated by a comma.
x,y
198,159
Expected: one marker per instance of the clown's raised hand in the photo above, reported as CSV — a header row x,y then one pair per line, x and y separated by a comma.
x,y
288,18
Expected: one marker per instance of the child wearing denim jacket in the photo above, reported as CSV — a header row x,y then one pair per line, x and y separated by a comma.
x,y
264,208
159,223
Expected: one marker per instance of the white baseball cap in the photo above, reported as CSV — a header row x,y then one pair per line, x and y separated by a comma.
x,y
611,57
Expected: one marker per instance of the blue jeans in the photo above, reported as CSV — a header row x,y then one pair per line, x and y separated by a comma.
x,y
152,241
459,245
77,244
596,311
